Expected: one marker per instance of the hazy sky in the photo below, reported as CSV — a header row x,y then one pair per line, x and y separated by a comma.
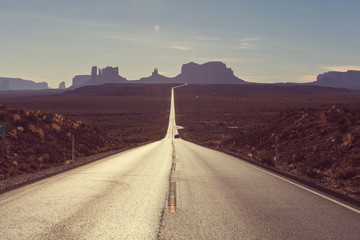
x,y
261,40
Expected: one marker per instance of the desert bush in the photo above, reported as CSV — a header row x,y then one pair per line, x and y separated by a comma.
x,y
55,127
318,161
308,170
47,119
32,128
31,117
34,166
24,166
12,171
76,125
346,173
16,117
22,123
313,165
268,160
40,132
37,131
51,150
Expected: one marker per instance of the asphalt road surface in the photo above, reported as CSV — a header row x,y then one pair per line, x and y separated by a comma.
x,y
173,189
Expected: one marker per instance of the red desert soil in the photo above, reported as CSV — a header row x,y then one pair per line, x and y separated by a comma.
x,y
317,128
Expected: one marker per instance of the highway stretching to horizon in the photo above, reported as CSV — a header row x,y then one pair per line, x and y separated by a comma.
x,y
173,189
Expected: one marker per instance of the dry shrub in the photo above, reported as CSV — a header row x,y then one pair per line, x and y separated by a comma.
x,y
55,127
40,132
16,117
20,129
58,118
53,154
37,131
45,157
25,167
12,171
38,114
268,160
31,116
346,173
32,128
313,165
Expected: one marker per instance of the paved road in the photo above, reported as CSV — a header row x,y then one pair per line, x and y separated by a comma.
x,y
217,197
220,197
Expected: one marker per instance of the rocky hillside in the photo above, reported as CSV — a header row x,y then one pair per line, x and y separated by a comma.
x,y
211,72
20,84
319,145
36,140
349,79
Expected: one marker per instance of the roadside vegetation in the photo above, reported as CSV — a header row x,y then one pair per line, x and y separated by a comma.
x,y
37,140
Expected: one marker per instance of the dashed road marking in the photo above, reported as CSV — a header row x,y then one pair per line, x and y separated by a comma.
x,y
172,197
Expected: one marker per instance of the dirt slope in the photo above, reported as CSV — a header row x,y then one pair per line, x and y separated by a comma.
x,y
37,140
319,145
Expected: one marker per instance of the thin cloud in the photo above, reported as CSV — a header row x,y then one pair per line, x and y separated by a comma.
x,y
249,39
122,38
183,48
246,43
207,38
341,68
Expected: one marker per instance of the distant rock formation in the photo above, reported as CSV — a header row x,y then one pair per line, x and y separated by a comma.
x,y
210,73
155,78
62,85
349,79
21,84
207,73
105,75
79,80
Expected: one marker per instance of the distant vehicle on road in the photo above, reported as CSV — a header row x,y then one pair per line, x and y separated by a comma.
x,y
177,136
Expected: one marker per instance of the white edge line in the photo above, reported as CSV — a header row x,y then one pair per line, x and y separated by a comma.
x,y
305,188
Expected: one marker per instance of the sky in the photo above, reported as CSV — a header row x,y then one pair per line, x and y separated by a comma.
x,y
261,40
